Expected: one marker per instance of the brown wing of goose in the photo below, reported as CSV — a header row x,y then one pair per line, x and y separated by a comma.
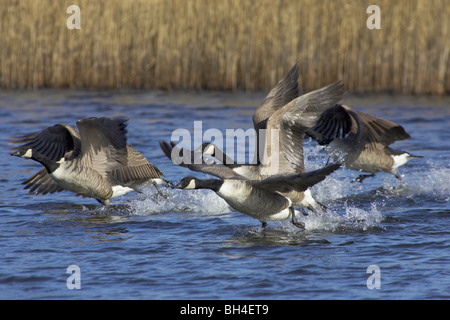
x,y
138,168
298,182
342,122
53,142
103,143
41,183
285,91
291,121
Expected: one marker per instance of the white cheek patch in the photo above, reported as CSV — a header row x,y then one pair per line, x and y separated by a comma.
x,y
28,154
209,150
191,185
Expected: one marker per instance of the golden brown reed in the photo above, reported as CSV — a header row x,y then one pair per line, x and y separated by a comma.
x,y
226,44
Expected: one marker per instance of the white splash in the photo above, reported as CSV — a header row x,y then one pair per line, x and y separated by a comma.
x,y
198,201
335,186
351,219
432,181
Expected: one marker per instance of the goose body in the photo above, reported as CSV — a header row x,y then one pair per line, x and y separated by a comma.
x,y
361,141
262,200
258,203
96,162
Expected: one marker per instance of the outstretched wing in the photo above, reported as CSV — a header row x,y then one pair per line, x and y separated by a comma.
x,y
334,123
342,122
53,142
138,168
290,123
298,182
103,143
41,183
285,91
379,130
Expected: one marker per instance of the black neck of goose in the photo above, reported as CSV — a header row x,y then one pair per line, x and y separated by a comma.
x,y
212,184
260,143
49,164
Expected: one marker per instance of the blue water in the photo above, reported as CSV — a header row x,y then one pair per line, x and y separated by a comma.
x,y
191,245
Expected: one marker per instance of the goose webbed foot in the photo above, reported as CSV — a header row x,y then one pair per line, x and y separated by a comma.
x,y
104,202
361,177
322,206
162,194
296,223
316,210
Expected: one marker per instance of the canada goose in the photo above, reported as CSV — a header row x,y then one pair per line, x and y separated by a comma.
x,y
362,140
280,122
263,199
96,162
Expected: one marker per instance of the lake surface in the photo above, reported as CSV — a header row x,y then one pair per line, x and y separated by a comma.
x,y
191,245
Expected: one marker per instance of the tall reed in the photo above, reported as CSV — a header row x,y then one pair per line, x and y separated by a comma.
x,y
226,44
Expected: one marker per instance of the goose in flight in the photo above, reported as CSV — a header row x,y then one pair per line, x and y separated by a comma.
x,y
361,140
280,123
95,162
259,199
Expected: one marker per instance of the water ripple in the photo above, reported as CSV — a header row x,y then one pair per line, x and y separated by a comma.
x,y
192,245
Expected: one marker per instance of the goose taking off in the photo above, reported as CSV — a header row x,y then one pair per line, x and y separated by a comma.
x,y
263,199
97,162
280,123
361,140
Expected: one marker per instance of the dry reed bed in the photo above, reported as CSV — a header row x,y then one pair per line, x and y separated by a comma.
x,y
227,44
